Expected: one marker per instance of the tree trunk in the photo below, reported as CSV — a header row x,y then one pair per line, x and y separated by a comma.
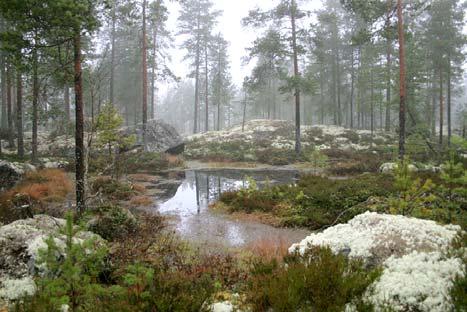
x,y
35,99
372,106
144,70
196,109
433,108
206,85
219,88
9,109
449,100
19,113
4,120
441,108
387,126
338,82
79,134
153,77
112,54
298,146
244,113
400,29
352,83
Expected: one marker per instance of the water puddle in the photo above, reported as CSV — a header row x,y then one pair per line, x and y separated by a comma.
x,y
193,220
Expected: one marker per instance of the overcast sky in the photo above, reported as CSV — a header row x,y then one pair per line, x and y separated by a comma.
x,y
230,26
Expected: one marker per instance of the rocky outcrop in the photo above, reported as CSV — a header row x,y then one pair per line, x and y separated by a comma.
x,y
417,271
160,136
20,243
280,135
11,172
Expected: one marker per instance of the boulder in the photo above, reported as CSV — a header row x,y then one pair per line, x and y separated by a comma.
x,y
11,172
417,269
21,241
160,136
391,166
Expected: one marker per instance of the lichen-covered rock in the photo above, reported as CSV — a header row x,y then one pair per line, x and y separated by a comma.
x,y
160,136
376,237
11,172
14,289
280,135
21,241
390,167
416,282
417,273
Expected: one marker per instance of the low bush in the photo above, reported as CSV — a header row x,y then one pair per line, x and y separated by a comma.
x,y
113,189
112,222
316,281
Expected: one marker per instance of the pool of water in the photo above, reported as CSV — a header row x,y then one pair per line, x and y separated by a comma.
x,y
193,220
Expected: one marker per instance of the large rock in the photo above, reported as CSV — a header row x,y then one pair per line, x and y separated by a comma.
x,y
160,136
21,241
417,271
11,172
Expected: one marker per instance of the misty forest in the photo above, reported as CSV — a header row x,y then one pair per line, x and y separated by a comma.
x,y
220,156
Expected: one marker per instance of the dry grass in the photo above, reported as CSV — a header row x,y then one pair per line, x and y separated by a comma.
x,y
48,185
269,249
139,188
141,201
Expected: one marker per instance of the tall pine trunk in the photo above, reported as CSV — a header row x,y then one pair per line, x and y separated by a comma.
x,y
338,82
19,113
352,83
153,77
441,107
112,54
144,70
206,85
298,146
79,133
35,99
449,100
387,124
402,91
9,109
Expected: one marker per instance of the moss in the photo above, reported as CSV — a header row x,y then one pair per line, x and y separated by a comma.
x,y
314,201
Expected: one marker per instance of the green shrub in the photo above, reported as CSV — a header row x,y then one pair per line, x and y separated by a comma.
x,y
112,189
72,280
316,281
112,222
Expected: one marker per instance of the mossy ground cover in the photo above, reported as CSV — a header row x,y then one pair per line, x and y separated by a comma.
x,y
316,202
313,202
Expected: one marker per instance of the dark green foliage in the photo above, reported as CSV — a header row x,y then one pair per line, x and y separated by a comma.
x,y
72,279
314,201
316,281
112,189
112,222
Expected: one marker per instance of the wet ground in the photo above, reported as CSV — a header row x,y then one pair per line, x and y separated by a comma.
x,y
191,217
